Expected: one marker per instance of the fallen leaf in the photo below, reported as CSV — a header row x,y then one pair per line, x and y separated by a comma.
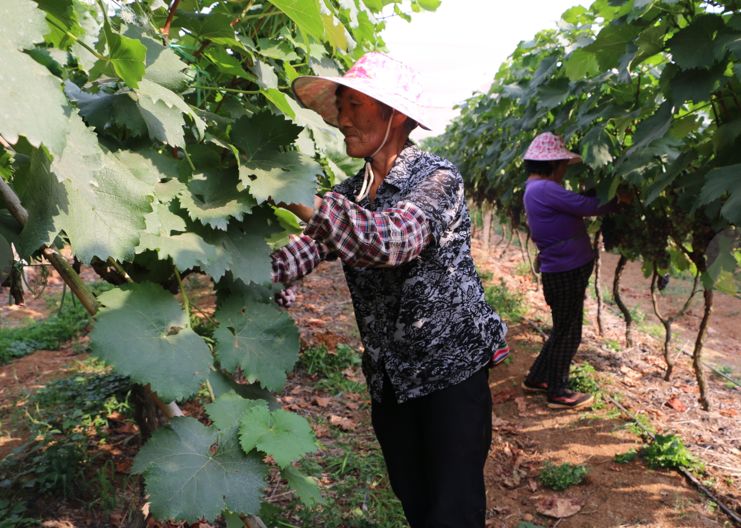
x,y
558,507
676,404
343,423
352,406
521,406
728,412
322,401
533,485
503,396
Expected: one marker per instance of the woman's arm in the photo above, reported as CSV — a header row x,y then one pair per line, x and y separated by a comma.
x,y
297,259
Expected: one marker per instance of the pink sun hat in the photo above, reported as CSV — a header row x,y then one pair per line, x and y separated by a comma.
x,y
376,75
550,147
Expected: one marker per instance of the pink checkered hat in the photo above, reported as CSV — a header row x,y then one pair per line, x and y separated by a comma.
x,y
550,147
374,74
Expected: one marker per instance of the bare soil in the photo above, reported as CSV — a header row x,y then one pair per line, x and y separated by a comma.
x,y
526,433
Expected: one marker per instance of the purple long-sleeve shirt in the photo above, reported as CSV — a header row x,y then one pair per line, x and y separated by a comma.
x,y
555,217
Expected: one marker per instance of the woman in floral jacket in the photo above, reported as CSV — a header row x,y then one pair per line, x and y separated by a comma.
x,y
402,231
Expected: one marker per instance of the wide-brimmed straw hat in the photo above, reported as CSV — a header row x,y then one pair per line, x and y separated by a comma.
x,y
550,147
376,75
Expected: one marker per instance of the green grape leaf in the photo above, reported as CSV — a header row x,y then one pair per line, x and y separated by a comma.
x,y
162,111
214,26
305,13
163,66
306,488
581,63
23,25
280,100
143,332
574,15
228,64
695,85
31,101
287,177
652,128
553,94
611,44
596,147
258,338
164,234
243,252
335,32
194,472
228,409
106,202
689,46
719,182
722,264
62,20
221,383
281,434
429,5
261,135
104,111
43,197
127,57
213,199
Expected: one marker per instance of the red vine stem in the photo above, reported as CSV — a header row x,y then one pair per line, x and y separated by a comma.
x,y
170,16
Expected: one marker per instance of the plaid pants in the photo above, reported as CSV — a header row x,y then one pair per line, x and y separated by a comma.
x,y
564,292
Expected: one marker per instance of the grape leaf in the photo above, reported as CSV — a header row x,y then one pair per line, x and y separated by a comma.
x,y
213,26
652,128
127,57
718,182
228,409
103,110
164,234
258,338
611,44
581,63
287,177
62,20
281,434
162,111
242,252
31,102
305,13
193,472
261,135
101,192
143,332
306,488
23,25
596,147
163,66
213,199
689,46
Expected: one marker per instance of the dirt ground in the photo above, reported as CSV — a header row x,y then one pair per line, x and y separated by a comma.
x,y
525,432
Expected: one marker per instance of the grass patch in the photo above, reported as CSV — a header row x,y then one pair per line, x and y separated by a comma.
x,y
613,344
641,422
509,305
68,322
582,378
562,476
668,451
522,269
68,419
360,495
329,367
627,457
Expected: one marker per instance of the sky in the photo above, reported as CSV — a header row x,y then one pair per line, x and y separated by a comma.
x,y
458,49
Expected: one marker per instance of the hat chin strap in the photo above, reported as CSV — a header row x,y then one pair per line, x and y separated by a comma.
x,y
368,175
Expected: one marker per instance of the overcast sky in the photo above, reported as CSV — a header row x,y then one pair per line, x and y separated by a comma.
x,y
458,48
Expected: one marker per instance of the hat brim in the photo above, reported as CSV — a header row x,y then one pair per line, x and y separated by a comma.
x,y
319,94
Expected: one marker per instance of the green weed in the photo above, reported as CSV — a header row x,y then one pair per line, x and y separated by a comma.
x,y
508,304
627,457
668,451
484,275
64,418
562,476
613,344
51,333
582,378
522,269
13,515
328,366
361,495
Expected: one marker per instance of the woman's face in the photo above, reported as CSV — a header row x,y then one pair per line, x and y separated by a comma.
x,y
361,121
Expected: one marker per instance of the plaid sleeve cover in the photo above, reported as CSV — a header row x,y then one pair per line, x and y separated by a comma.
x,y
363,238
297,259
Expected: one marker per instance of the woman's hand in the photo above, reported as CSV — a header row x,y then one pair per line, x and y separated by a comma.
x,y
304,212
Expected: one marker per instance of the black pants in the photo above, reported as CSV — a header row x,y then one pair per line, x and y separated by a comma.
x,y
564,293
435,448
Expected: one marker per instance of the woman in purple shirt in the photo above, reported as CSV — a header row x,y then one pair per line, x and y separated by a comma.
x,y
555,218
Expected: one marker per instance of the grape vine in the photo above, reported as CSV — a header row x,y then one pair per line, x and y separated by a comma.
x,y
649,92
152,140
